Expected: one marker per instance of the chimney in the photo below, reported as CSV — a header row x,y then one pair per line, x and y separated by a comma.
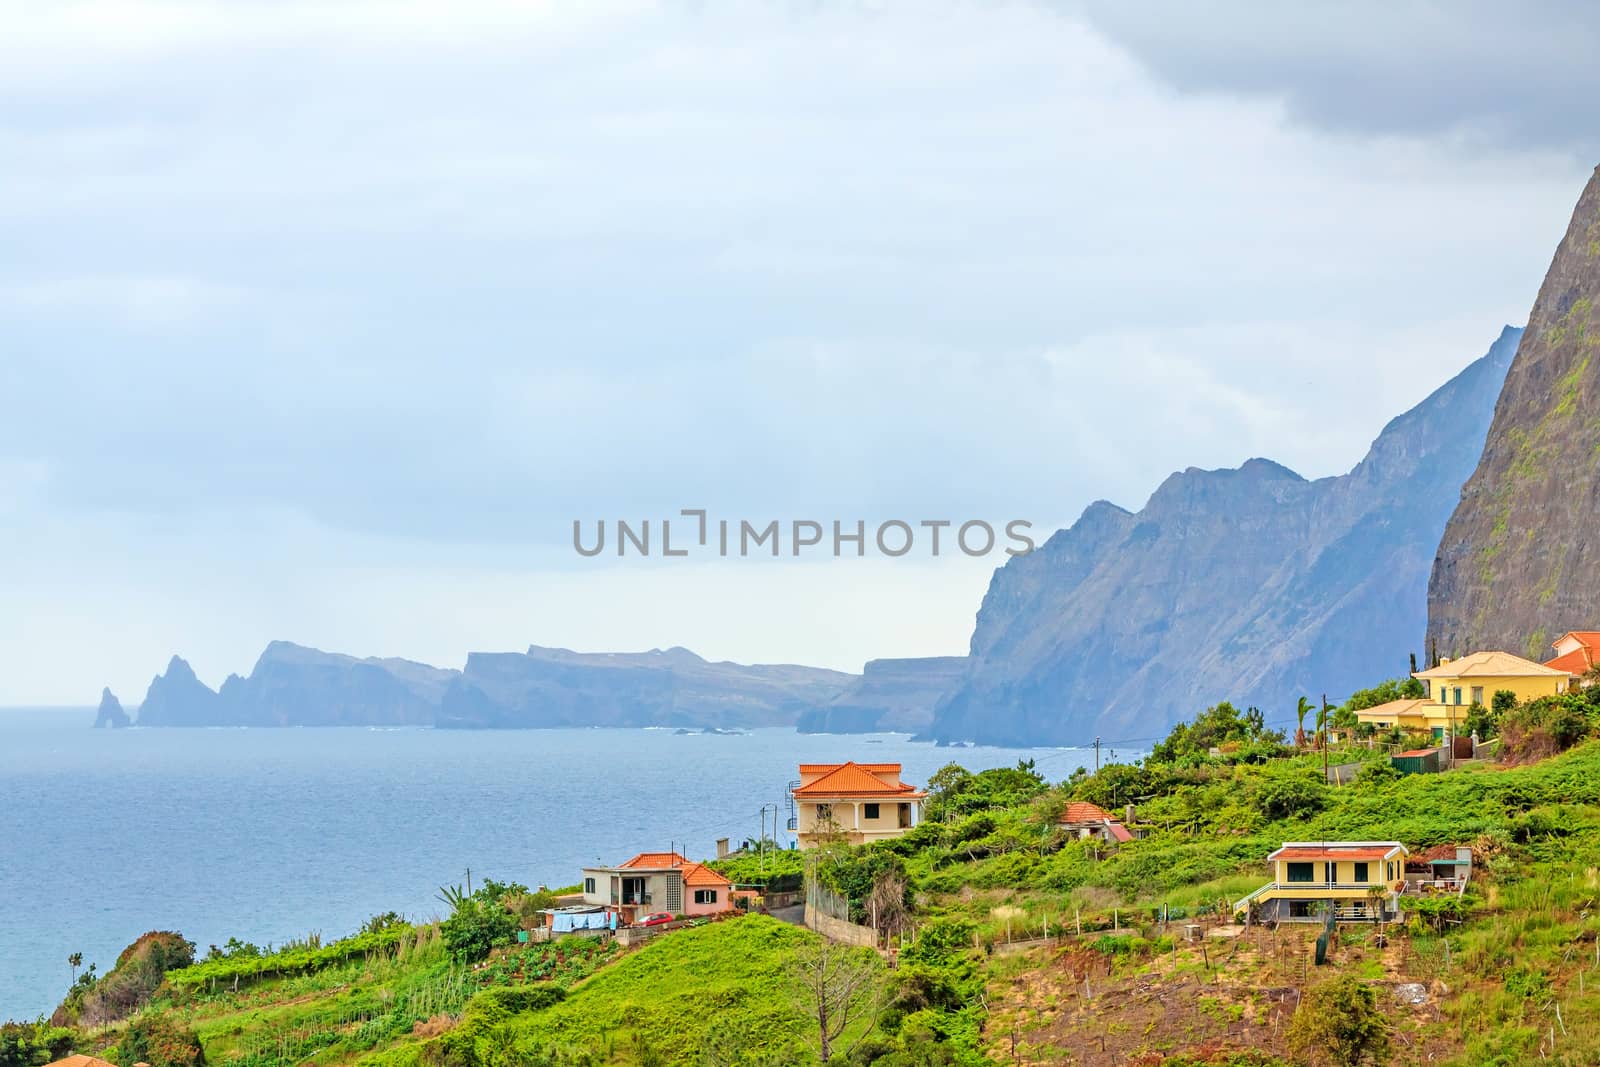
x,y
1443,660
722,848
1127,815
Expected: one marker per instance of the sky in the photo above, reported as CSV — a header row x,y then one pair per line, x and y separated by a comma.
x,y
324,321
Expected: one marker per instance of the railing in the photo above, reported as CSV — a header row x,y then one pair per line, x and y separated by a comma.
x,y
1433,886
1293,887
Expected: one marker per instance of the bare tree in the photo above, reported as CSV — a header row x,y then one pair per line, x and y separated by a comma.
x,y
837,985
886,904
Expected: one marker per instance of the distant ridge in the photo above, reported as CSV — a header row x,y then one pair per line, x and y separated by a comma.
x,y
292,685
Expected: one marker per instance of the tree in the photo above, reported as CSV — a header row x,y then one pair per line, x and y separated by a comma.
x,y
160,1041
75,961
837,985
1339,1022
886,904
1300,712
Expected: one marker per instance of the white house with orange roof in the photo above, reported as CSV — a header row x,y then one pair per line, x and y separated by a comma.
x,y
1577,652
854,802
653,882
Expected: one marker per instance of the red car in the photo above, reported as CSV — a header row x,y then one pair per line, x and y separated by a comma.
x,y
659,918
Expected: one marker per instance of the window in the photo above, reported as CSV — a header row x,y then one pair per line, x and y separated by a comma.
x,y
824,812
1458,695
905,816
1330,872
1361,873
869,811
1477,694
705,896
1299,872
588,886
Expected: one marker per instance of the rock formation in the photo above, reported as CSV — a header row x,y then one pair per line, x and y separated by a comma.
x,y
1517,564
110,713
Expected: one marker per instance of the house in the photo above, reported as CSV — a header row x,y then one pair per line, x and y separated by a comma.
x,y
1452,687
1359,880
854,802
1084,820
80,1060
1577,652
657,882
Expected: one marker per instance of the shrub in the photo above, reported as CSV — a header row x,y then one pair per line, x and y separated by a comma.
x,y
1340,1020
160,1041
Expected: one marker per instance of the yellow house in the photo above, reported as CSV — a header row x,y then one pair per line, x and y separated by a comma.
x,y
1359,880
1452,687
854,802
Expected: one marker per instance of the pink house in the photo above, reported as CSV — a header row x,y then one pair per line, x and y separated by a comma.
x,y
657,882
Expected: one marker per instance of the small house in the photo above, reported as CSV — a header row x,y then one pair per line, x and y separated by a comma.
x,y
1360,881
1084,820
654,882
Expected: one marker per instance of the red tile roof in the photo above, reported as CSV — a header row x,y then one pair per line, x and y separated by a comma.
x,y
1332,852
1578,661
1118,831
1081,811
693,873
857,779
875,768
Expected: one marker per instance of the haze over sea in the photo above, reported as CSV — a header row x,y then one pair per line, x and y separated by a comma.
x,y
271,834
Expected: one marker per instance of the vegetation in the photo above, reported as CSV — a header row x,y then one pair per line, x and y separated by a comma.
x,y
971,907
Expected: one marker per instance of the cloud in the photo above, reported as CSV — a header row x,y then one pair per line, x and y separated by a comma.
x,y
312,288
1486,74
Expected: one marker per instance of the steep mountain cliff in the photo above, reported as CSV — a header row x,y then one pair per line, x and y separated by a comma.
x,y
1517,565
896,695
675,687
1251,585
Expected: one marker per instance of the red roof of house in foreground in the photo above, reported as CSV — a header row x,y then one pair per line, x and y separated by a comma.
x,y
1578,661
856,779
693,873
1081,811
1331,853
1118,831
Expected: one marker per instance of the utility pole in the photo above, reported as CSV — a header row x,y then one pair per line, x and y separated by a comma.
x,y
1097,755
1326,723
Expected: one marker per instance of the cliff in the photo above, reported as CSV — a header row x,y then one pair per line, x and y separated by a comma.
x,y
894,695
1517,563
1251,584
110,712
673,687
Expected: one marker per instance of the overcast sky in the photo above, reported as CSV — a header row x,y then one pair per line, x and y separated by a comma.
x,y
323,321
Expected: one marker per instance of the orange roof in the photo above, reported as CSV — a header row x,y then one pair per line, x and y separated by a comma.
x,y
80,1060
857,779
1331,853
656,859
1081,811
1578,661
693,873
875,768
1588,637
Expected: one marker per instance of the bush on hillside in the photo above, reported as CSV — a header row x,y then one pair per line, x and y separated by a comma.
x,y
161,1041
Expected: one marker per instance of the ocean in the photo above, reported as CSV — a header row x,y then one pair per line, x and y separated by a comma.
x,y
267,835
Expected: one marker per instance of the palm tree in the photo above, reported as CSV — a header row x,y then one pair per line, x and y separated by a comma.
x,y
1300,713
76,961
